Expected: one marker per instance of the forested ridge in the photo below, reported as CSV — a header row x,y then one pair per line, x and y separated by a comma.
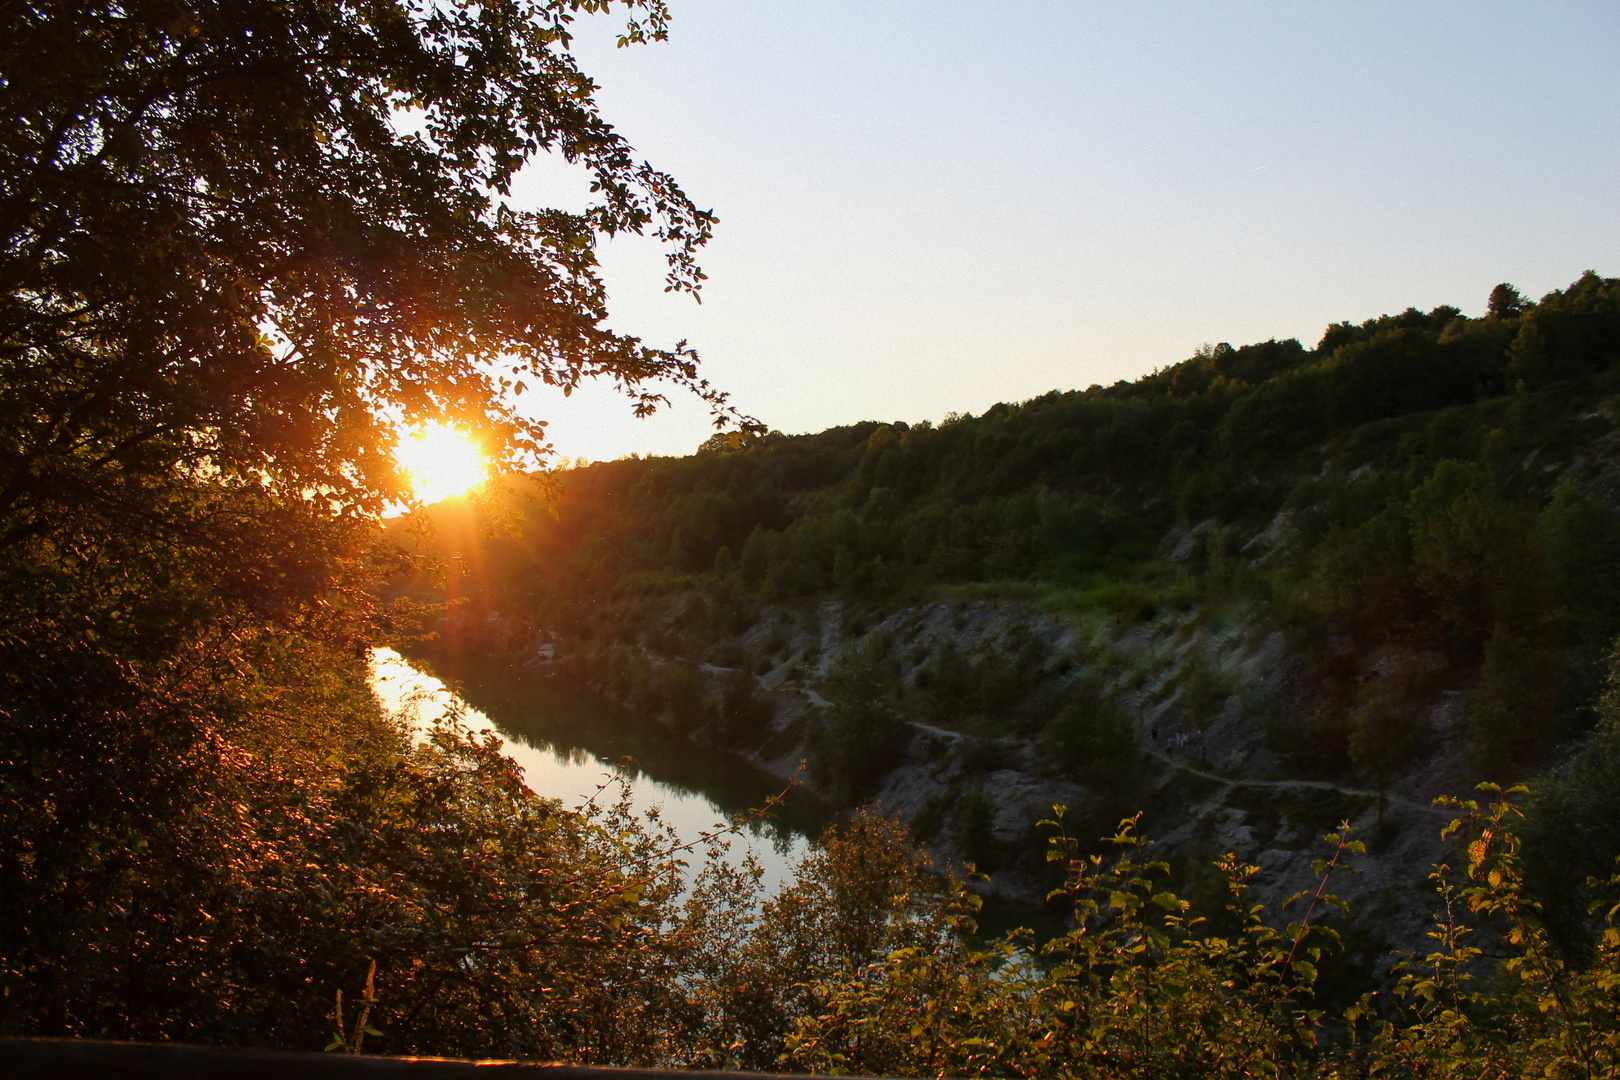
x,y
1069,484
1425,480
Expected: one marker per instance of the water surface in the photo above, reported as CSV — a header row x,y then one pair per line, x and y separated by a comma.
x,y
569,744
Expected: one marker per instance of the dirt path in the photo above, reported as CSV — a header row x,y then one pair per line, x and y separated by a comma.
x,y
1392,798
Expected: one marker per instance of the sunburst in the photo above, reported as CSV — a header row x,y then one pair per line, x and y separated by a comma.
x,y
441,462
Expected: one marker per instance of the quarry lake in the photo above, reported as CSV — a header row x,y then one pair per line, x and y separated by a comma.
x,y
570,743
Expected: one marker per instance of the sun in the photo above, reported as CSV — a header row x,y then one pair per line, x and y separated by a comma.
x,y
441,462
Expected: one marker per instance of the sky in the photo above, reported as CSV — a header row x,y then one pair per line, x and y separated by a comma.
x,y
931,207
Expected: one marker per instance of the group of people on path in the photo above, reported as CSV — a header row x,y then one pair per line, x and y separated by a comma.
x,y
1179,741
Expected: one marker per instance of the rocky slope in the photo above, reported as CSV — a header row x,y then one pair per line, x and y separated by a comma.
x,y
1208,782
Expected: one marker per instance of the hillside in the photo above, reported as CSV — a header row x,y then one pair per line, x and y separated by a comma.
x,y
1250,594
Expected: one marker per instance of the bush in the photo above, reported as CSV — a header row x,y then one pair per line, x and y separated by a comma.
x,y
980,755
741,716
681,696
1093,740
1204,687
1582,541
1000,685
975,824
1511,709
863,734
1569,831
1142,986
950,684
1383,736
1129,601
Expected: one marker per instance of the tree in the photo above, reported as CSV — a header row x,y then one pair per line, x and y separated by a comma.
x,y
1383,736
1506,302
1093,740
1583,545
1510,712
975,827
1528,363
863,734
243,245
1477,555
862,893
251,239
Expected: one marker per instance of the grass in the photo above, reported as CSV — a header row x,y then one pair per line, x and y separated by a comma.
x,y
996,591
1146,590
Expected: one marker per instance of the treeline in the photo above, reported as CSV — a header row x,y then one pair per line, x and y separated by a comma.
x,y
1428,480
1056,484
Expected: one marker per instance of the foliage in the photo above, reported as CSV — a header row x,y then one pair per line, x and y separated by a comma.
x,y
227,893
975,825
862,894
1143,986
1550,1017
1582,543
1382,738
1093,740
1448,563
1137,988
863,733
996,685
1204,688
252,238
245,244
1508,711
1569,833
501,925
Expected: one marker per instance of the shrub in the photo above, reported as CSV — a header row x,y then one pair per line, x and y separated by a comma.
x,y
975,822
1000,685
741,716
1383,736
681,696
1129,601
1093,740
1204,687
863,734
1510,710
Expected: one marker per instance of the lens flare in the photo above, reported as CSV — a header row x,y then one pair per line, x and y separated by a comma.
x,y
441,462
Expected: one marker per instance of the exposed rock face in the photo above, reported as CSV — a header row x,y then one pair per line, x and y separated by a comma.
x,y
1211,785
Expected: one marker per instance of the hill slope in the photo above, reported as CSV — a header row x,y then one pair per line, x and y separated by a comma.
x,y
1251,594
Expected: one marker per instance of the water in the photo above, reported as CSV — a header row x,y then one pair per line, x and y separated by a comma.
x,y
568,745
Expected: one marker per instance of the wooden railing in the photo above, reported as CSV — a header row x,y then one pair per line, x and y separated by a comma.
x,y
85,1059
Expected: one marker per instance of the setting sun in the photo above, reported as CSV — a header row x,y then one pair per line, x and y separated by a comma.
x,y
441,462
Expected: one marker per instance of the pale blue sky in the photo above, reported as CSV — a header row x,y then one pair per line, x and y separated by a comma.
x,y
928,207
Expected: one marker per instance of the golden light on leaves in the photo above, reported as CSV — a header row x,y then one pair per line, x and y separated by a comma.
x,y
441,462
